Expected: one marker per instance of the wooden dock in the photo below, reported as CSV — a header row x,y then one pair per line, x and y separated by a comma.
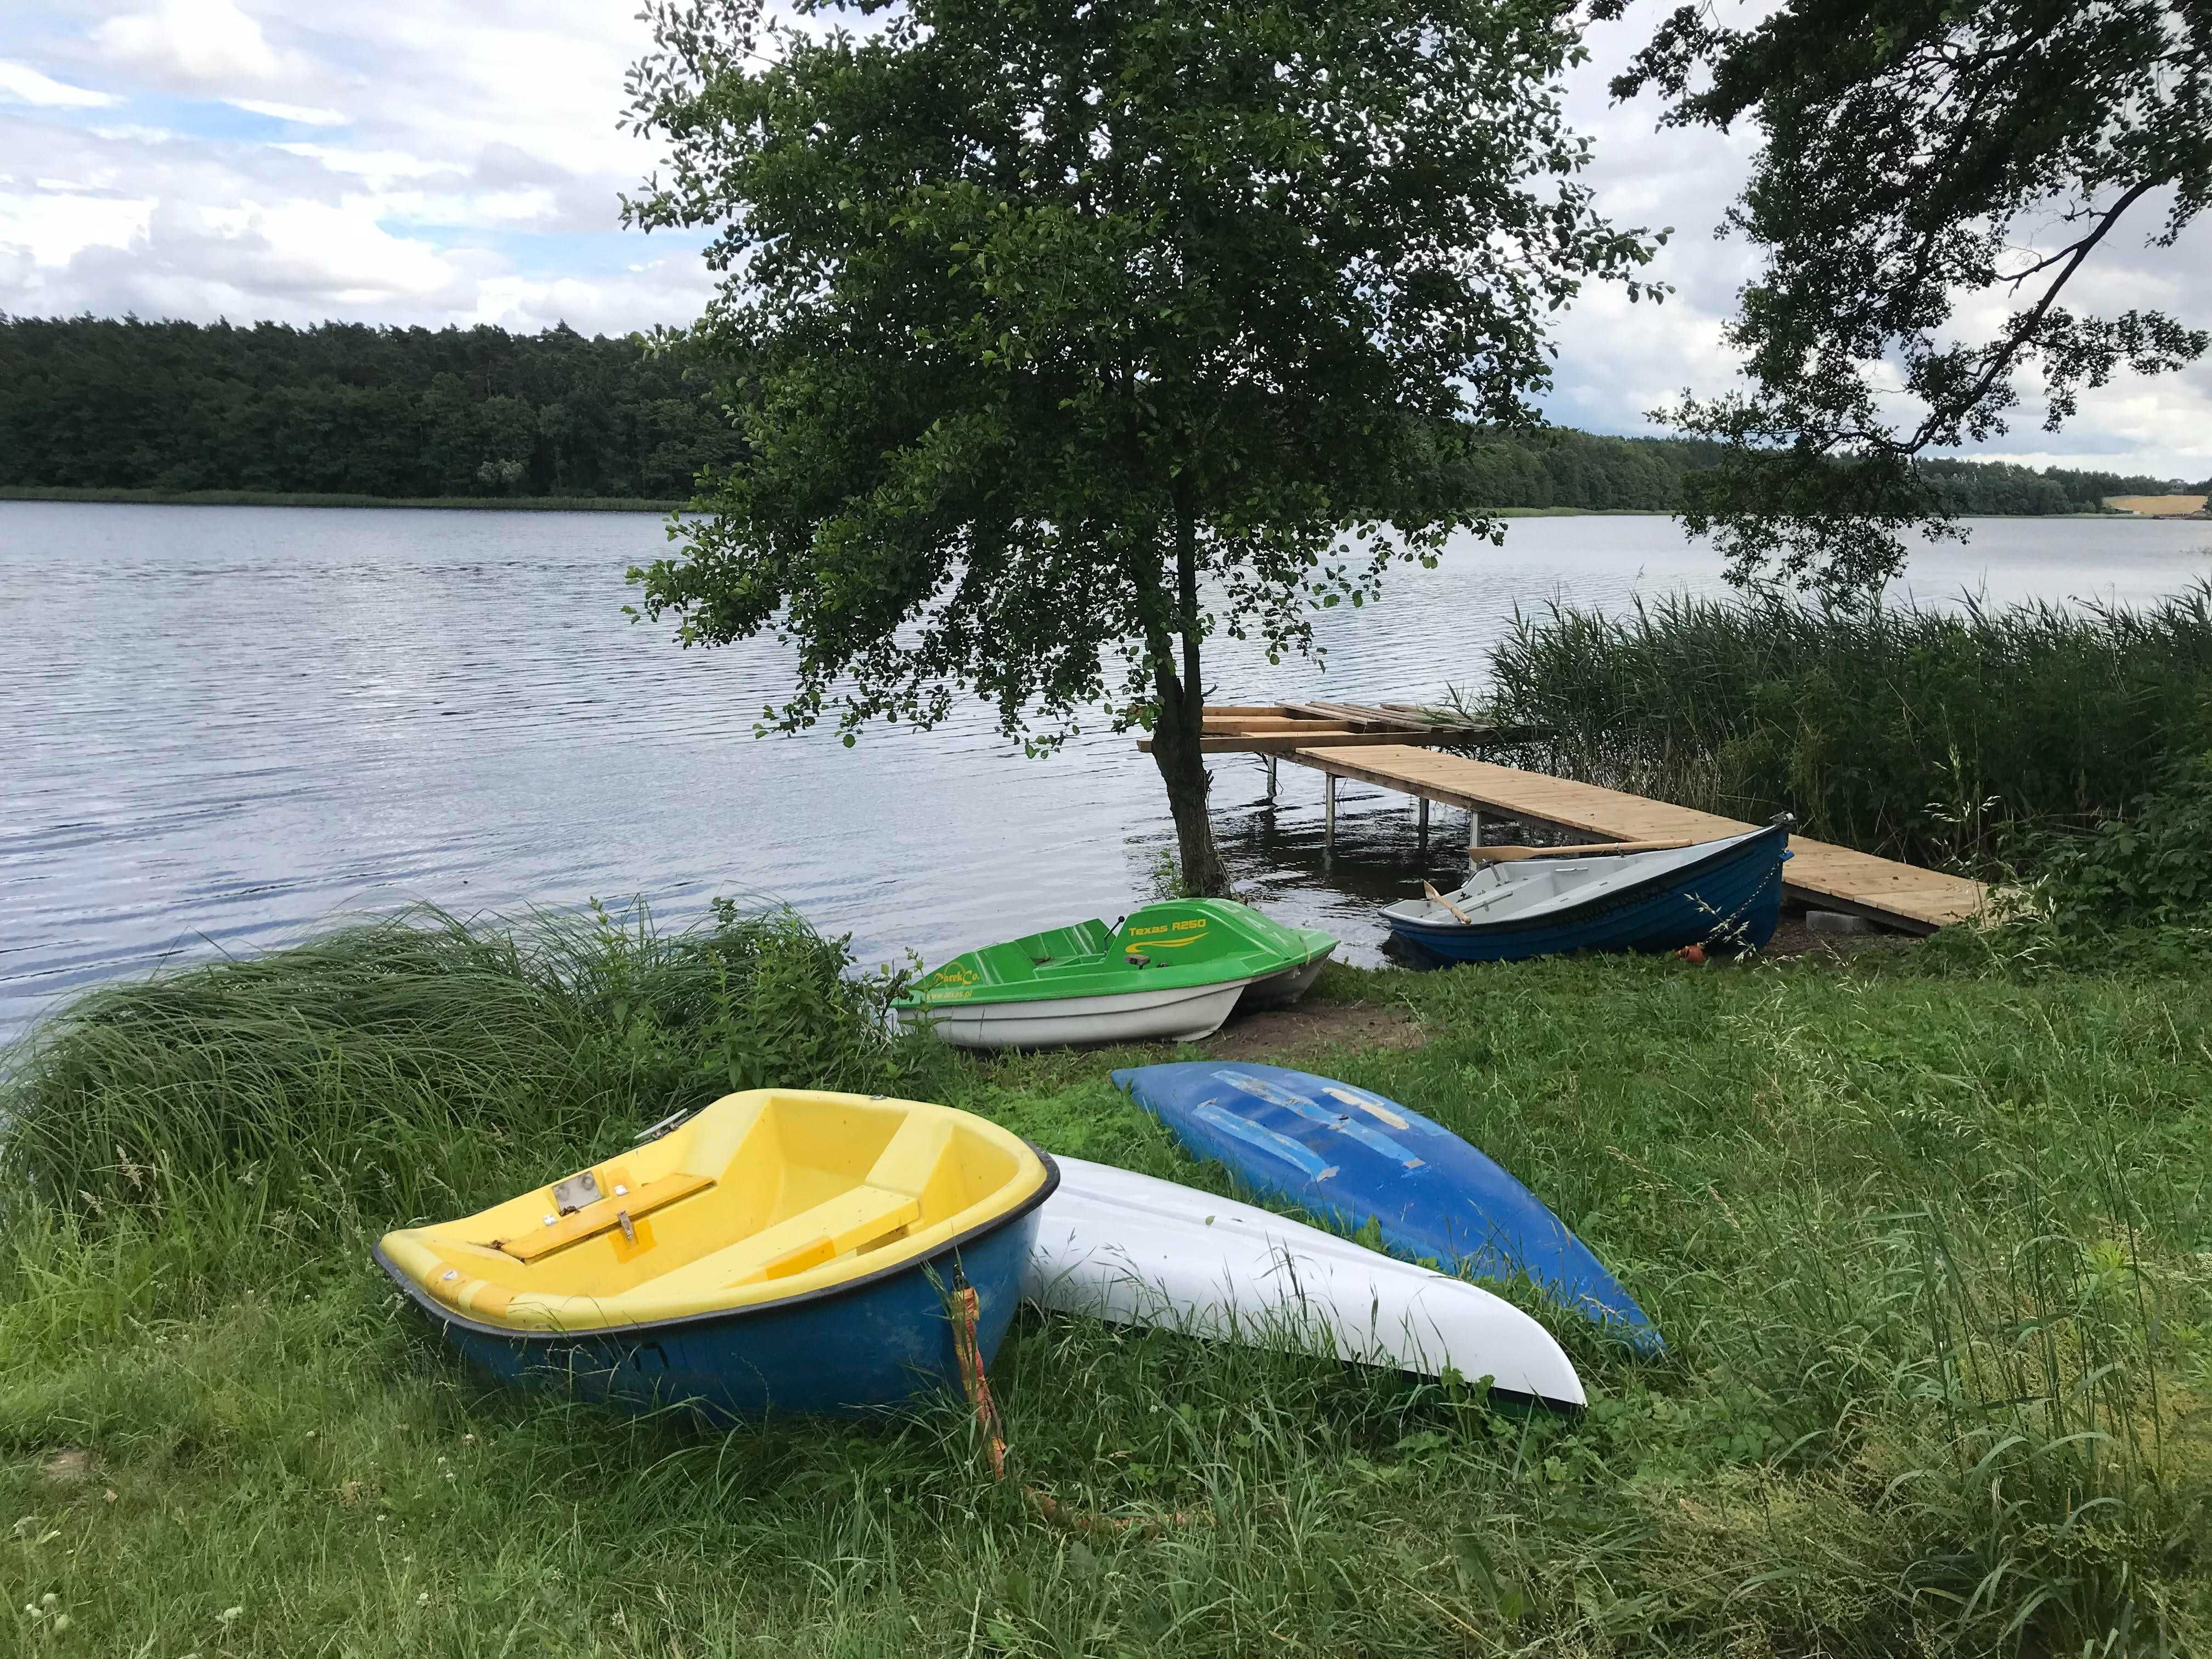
x,y
1277,728
1826,877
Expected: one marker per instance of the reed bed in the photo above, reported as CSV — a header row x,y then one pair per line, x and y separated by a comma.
x,y
1935,737
1925,1240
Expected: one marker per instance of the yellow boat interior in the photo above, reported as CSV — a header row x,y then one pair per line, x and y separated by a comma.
x,y
762,1197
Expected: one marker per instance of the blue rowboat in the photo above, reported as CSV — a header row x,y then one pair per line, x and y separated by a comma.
x,y
782,1250
1723,895
1353,1158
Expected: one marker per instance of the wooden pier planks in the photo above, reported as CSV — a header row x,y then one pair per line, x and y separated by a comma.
x,y
1832,877
1277,728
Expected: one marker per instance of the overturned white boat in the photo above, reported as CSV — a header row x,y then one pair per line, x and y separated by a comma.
x,y
1125,1247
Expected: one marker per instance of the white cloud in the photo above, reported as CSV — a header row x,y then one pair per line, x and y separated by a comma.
x,y
299,114
335,254
192,43
25,85
45,229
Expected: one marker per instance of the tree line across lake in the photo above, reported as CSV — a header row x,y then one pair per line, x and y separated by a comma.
x,y
98,403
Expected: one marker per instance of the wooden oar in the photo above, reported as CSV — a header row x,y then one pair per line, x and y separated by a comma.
x,y
1429,891
1593,849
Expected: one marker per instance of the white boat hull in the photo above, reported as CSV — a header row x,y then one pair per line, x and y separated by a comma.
x,y
1132,1250
1279,990
1173,1016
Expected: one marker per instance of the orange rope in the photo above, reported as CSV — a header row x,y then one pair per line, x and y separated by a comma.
x,y
969,1351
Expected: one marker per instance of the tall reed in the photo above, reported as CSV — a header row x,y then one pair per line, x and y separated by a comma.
x,y
1917,734
417,1063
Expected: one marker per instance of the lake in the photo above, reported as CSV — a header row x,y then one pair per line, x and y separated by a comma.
x,y
225,727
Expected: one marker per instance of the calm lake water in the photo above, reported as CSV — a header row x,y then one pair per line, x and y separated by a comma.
x,y
224,727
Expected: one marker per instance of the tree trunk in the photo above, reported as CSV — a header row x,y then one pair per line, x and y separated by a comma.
x,y
1181,719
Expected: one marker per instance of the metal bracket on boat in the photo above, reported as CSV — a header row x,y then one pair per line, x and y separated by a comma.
x,y
673,1121
1136,961
1787,820
629,1227
578,1190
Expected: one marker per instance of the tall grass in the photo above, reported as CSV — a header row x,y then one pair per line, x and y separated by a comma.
x,y
416,1064
1920,735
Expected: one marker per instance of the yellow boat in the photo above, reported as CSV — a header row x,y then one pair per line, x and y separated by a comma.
x,y
783,1248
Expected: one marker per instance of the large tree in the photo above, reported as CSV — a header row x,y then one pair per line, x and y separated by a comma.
x,y
1933,178
1064,335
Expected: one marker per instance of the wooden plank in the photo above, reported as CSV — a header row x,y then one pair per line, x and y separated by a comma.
x,y
1818,873
603,1216
1282,742
1352,714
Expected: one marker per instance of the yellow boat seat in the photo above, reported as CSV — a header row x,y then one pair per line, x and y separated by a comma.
x,y
604,1215
851,1221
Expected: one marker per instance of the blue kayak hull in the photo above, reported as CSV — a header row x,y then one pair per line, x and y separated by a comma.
x,y
1732,900
852,1350
1354,1158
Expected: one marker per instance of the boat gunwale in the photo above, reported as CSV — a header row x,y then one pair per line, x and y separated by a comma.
x,y
447,1314
1731,848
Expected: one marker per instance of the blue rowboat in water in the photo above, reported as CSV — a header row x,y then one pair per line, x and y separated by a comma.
x,y
1725,894
1352,1158
783,1250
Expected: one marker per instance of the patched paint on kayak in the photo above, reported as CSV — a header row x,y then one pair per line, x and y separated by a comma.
x,y
1432,1195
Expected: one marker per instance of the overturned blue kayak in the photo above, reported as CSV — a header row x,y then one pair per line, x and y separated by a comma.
x,y
1354,1158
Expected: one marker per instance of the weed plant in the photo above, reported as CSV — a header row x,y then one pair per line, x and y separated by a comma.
x,y
1934,737
1929,1246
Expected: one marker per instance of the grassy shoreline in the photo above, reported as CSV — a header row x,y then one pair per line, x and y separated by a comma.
x,y
1923,1227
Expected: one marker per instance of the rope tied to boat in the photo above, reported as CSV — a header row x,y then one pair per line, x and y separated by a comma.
x,y
967,1348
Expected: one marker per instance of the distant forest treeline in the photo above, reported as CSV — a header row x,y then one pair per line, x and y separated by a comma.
x,y
345,409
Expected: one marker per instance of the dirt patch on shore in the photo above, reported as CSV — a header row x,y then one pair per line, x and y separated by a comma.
x,y
1793,938
1312,1028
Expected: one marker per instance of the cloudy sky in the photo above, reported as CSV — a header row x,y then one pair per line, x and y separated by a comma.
x,y
434,161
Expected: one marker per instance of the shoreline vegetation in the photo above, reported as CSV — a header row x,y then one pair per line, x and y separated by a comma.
x,y
284,498
347,414
570,503
1961,738
625,504
1920,1225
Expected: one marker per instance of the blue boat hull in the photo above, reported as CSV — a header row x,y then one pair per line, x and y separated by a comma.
x,y
1731,901
1353,1158
848,1351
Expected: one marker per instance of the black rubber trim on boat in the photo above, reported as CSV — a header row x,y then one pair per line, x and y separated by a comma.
x,y
447,1315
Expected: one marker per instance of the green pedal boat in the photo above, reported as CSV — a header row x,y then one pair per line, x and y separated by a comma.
x,y
1172,972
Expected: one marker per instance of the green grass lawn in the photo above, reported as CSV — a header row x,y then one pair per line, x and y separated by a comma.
x,y
1932,1244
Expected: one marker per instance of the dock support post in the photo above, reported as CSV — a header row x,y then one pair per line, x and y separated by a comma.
x,y
1328,812
1425,826
1270,777
1473,829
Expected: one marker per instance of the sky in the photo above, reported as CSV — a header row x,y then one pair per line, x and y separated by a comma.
x,y
432,162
